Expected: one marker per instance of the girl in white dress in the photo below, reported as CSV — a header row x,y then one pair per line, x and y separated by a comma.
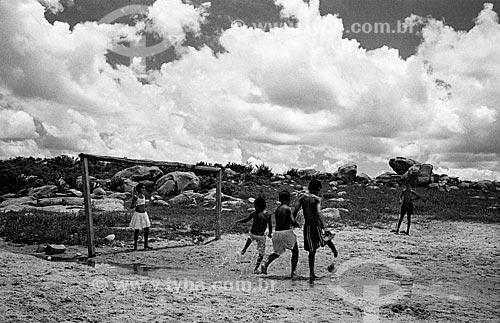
x,y
140,218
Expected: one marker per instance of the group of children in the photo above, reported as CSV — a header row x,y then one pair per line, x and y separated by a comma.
x,y
315,233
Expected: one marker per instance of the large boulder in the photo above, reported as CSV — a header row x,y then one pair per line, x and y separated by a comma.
x,y
401,164
425,174
411,176
139,173
177,182
109,204
363,178
188,197
348,172
43,191
25,200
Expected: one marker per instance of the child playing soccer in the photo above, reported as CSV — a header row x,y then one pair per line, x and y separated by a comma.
x,y
406,199
261,219
314,225
283,237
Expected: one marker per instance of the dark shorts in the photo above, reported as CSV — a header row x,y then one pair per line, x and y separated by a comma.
x,y
407,208
313,239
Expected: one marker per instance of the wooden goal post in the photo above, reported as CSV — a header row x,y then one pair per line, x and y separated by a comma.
x,y
84,160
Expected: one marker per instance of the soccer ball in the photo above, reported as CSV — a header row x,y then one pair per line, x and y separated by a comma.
x,y
331,267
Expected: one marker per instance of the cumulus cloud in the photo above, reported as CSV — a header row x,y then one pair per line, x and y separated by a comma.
x,y
171,19
290,97
470,173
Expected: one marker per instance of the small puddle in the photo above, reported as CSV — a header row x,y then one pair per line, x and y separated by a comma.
x,y
120,268
135,269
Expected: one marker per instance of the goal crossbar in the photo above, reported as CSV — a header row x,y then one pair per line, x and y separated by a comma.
x,y
84,160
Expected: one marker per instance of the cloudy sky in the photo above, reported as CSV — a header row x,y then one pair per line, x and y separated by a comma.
x,y
326,91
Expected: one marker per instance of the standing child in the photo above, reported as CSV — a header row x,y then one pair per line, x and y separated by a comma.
x,y
314,225
261,219
283,237
406,199
140,218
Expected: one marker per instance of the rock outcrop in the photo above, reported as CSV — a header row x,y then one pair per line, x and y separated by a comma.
x,y
177,182
401,164
348,172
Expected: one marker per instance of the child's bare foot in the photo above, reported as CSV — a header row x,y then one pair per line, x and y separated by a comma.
x,y
293,275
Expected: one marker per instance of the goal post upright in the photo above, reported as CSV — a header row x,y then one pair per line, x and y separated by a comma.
x,y
218,204
88,206
84,159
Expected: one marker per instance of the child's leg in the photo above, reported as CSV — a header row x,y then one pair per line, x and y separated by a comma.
x,y
146,237
403,211
257,264
312,255
409,223
295,258
330,244
269,260
136,237
247,244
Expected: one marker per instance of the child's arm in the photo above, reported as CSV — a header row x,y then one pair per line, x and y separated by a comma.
x,y
293,219
320,214
418,197
296,209
270,224
246,219
133,202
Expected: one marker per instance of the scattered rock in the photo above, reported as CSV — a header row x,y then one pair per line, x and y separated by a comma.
x,y
99,191
54,249
73,192
43,191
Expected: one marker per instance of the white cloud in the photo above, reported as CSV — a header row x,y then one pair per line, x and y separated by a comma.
x,y
16,125
291,97
469,173
171,18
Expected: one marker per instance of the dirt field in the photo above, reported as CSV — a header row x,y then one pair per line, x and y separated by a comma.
x,y
443,272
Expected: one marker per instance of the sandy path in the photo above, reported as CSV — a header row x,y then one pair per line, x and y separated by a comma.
x,y
443,272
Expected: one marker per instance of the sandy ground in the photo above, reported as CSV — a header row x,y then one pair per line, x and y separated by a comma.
x,y
443,272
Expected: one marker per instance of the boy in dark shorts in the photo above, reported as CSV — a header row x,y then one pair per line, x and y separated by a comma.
x,y
314,225
406,199
261,220
284,238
